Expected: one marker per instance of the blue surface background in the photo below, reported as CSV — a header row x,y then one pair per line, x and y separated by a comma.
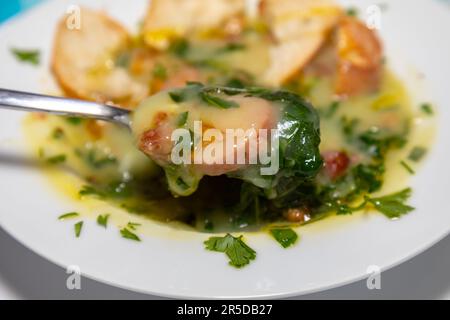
x,y
9,8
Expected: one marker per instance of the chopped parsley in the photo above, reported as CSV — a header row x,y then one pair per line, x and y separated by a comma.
x,y
28,56
334,106
352,12
427,108
68,215
417,153
95,158
180,48
392,206
160,72
102,220
407,167
285,237
133,225
127,234
74,120
215,101
78,226
236,250
57,133
182,118
231,47
60,158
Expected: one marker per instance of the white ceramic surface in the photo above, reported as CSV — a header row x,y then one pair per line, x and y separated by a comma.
x,y
173,262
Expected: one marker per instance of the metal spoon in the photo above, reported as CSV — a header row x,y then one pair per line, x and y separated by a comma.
x,y
17,100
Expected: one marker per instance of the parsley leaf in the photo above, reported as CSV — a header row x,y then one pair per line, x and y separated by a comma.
x,y
68,215
103,220
286,237
218,102
133,225
417,153
127,234
160,72
407,167
60,158
78,226
182,118
392,206
30,56
236,250
74,120
427,108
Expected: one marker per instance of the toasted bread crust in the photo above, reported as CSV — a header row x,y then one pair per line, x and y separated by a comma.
x,y
166,19
299,27
82,59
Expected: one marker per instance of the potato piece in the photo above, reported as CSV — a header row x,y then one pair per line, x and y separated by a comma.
x,y
167,19
83,63
299,27
359,58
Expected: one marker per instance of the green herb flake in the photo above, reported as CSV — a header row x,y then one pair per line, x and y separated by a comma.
x,y
217,102
74,120
29,56
427,108
334,106
407,167
89,190
285,237
127,234
352,12
236,250
133,225
231,47
176,97
68,215
180,48
160,72
208,225
392,206
102,220
182,118
78,226
57,133
417,153
60,158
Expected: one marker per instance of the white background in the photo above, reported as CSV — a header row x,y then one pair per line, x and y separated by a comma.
x,y
25,275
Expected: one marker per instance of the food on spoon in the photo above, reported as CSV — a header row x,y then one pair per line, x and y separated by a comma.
x,y
223,109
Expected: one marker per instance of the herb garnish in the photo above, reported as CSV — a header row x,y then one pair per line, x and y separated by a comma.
x,y
127,234
102,220
78,226
392,206
74,120
285,237
68,215
160,72
417,153
133,225
29,56
60,158
57,133
236,250
407,167
218,102
427,108
182,118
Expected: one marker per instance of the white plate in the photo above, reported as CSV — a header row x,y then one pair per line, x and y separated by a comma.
x,y
174,263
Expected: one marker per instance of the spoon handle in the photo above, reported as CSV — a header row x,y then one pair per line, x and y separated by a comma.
x,y
25,101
